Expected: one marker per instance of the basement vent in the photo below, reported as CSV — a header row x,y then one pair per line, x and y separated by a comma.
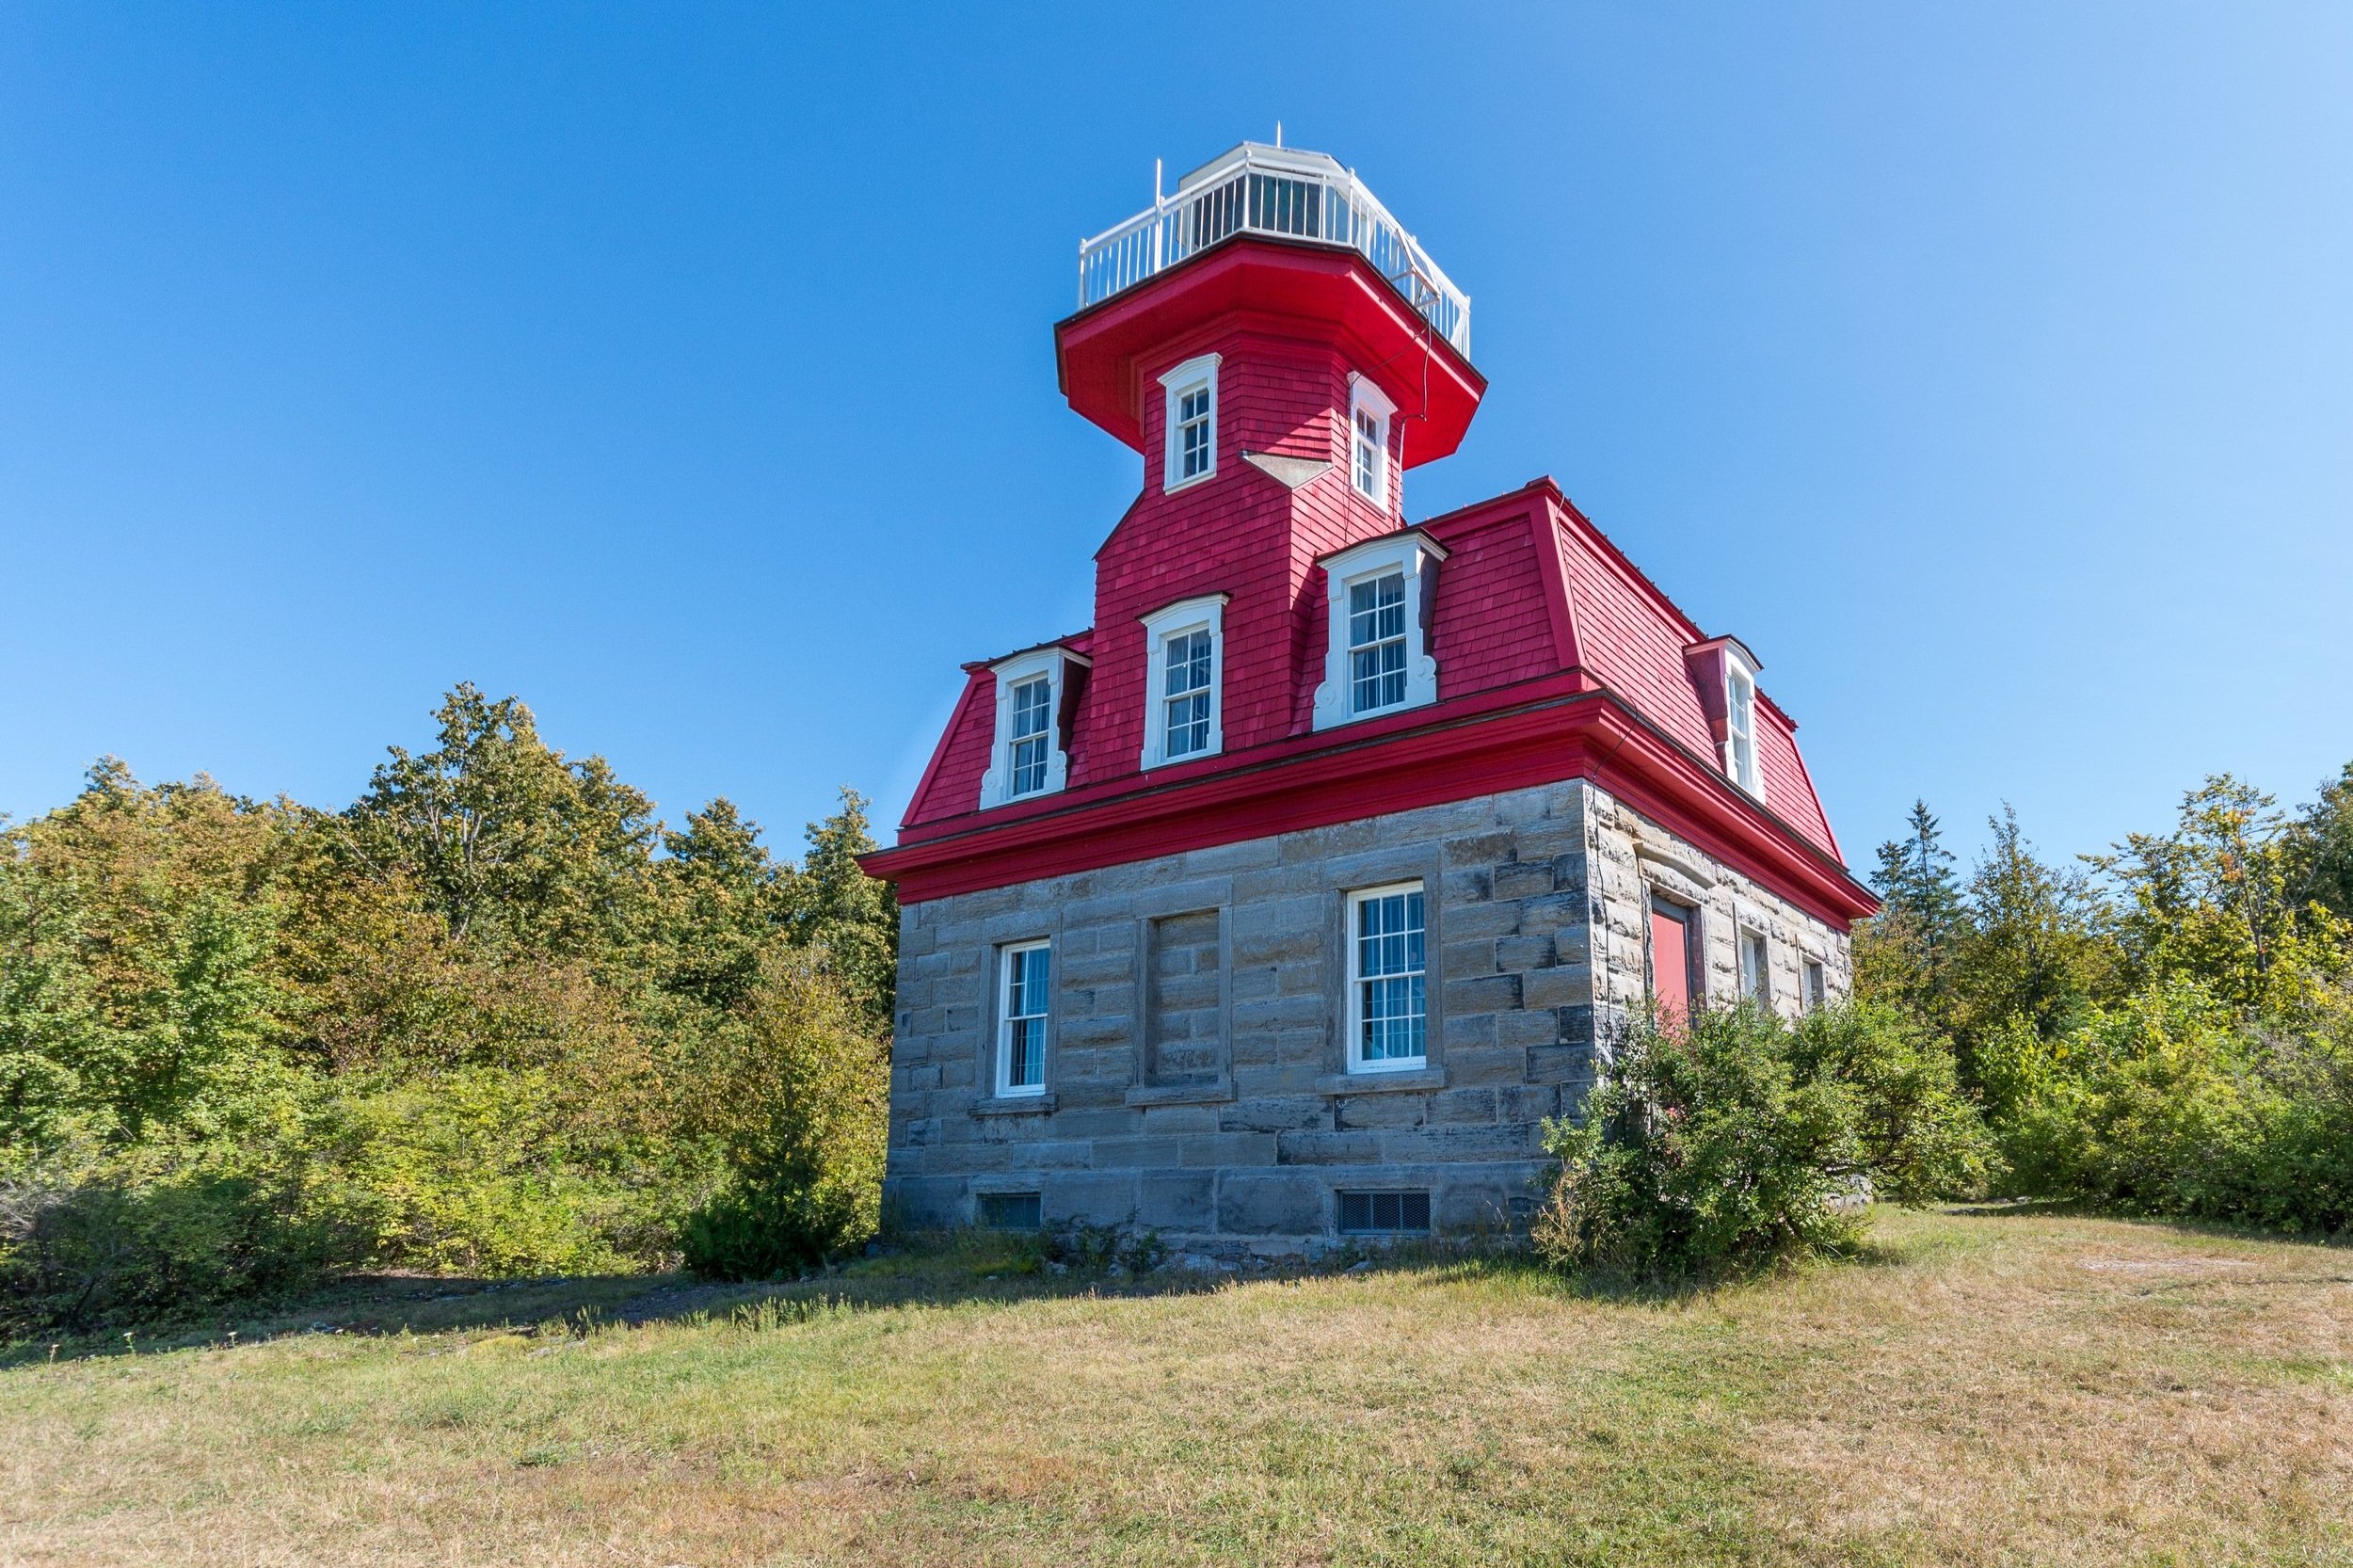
x,y
1384,1213
1008,1210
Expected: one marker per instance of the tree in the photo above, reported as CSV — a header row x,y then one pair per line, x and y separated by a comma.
x,y
850,917
2034,949
2209,902
506,840
2319,846
1904,955
726,903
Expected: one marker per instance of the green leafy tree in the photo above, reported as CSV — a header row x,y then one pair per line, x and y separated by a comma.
x,y
2209,903
2319,849
726,903
505,840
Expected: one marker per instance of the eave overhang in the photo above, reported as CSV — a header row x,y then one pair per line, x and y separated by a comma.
x,y
1545,730
1314,287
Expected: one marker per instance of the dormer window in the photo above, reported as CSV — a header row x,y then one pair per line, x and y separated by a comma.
x,y
1377,658
1740,725
1032,724
1184,674
1368,440
1032,693
1376,643
1190,451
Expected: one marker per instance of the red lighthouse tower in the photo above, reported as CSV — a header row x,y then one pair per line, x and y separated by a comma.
x,y
1290,898
1314,376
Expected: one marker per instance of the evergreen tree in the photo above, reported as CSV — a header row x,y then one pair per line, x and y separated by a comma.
x,y
1915,877
1903,954
852,917
2033,947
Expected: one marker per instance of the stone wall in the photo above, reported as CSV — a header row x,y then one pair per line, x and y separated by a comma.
x,y
1197,1079
1634,857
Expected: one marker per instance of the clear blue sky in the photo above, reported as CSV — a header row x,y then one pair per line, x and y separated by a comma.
x,y
688,370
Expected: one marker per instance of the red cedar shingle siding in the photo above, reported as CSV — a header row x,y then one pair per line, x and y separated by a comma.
x,y
953,785
1492,625
1630,646
1244,534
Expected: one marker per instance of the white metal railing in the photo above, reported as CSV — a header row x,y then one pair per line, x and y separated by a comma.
x,y
1273,190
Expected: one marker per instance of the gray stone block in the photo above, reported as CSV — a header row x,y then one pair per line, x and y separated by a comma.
x,y
923,1203
1090,1197
1275,1114
1472,1206
1491,995
1283,1203
1465,1105
1326,1148
1369,1110
1520,880
1177,1200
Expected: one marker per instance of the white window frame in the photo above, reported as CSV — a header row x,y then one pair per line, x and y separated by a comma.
x,y
1416,556
1053,663
1357,899
1757,986
1363,398
1006,1088
1813,975
1207,613
1195,375
1740,765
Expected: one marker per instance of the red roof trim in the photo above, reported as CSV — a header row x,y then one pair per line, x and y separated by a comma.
x,y
978,677
1545,730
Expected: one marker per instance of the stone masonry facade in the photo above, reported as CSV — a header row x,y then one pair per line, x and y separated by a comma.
x,y
1196,1067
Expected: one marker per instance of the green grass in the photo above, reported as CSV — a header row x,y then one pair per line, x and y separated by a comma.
x,y
1992,1388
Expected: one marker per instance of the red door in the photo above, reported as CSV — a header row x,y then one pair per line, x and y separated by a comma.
x,y
1670,963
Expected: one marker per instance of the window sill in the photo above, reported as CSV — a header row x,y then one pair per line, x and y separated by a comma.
x,y
1015,1104
1047,794
1201,478
1218,1093
1374,1083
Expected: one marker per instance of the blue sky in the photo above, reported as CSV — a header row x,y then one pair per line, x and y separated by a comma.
x,y
689,371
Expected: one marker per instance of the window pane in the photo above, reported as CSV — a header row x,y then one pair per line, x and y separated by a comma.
x,y
1392,1006
1027,994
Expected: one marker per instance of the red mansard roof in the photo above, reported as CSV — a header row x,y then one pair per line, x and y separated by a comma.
x,y
1556,659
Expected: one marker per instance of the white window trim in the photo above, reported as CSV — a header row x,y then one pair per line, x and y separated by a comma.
x,y
1363,394
1739,671
1193,375
1191,615
1763,993
1357,1062
1006,1088
1814,982
1054,663
1415,555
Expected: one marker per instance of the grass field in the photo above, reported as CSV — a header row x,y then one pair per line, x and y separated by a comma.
x,y
1990,1388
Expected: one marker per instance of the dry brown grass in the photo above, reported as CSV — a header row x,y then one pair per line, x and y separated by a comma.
x,y
1992,1389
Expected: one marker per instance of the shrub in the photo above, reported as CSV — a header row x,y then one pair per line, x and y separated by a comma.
x,y
2171,1103
157,1234
802,1107
1919,1138
1736,1140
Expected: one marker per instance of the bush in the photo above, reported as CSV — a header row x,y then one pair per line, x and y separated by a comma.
x,y
2173,1104
156,1236
1919,1138
1736,1140
802,1108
